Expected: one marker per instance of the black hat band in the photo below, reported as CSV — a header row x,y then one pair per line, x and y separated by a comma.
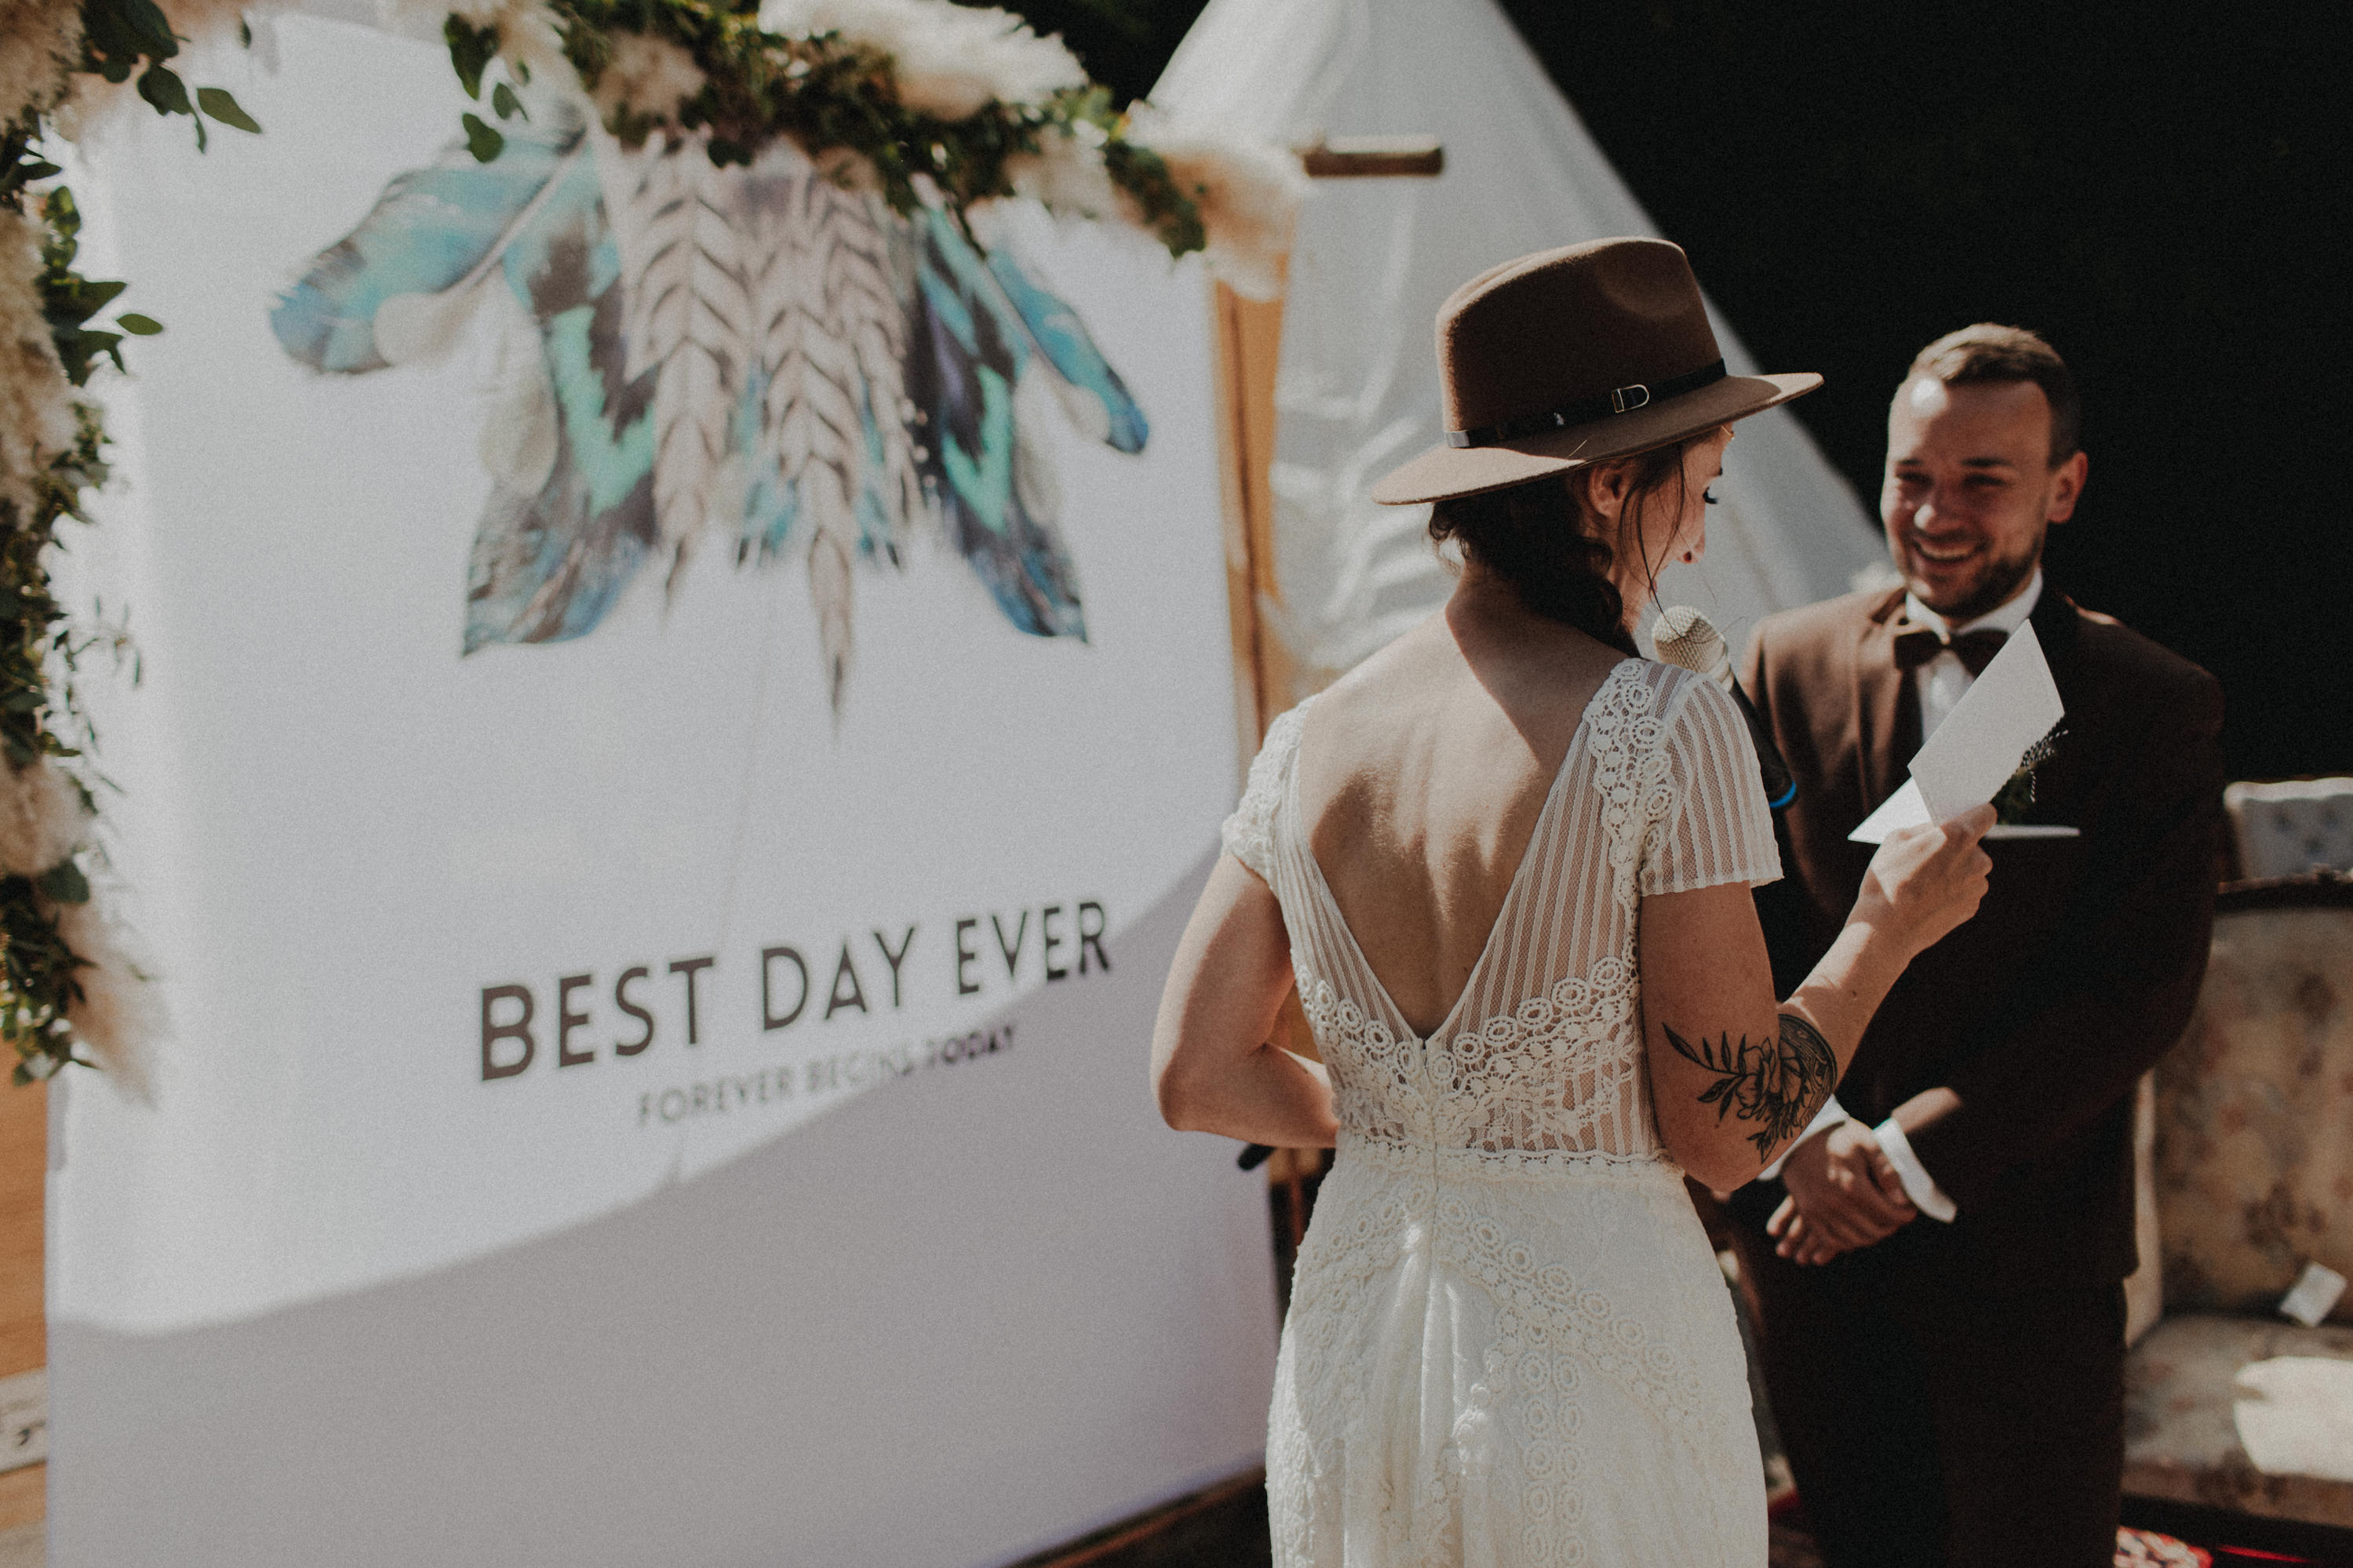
x,y
1621,400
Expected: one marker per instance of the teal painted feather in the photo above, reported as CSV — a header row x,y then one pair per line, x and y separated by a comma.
x,y
968,355
548,564
1071,348
430,230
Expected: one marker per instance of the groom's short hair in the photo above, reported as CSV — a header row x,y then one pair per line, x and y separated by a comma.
x,y
1989,352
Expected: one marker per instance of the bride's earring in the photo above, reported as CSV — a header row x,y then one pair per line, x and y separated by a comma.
x,y
1690,559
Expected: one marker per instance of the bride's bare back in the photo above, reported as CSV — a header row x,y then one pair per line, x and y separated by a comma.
x,y
1423,772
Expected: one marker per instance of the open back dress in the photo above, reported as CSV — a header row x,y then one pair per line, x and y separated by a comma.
x,y
1509,1343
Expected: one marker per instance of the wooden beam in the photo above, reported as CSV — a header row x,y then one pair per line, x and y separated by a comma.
x,y
23,1166
1374,157
1247,338
24,1332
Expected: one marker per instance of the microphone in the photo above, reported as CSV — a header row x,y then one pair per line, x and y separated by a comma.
x,y
1685,638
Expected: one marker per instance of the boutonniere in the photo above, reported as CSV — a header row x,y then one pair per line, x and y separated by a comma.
x,y
2012,801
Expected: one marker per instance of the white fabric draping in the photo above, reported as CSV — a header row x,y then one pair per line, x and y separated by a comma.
x,y
1358,388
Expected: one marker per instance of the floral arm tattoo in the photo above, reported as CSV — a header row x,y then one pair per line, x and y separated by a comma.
x,y
1779,1083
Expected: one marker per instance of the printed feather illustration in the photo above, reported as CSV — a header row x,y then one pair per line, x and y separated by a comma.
x,y
687,350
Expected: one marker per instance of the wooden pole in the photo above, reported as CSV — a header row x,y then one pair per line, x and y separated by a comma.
x,y
24,1333
1248,336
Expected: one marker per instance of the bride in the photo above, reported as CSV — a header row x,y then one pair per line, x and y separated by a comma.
x,y
1507,865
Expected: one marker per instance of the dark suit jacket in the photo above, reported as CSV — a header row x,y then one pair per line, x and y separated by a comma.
x,y
2080,967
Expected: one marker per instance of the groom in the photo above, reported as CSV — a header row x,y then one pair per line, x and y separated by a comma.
x,y
1937,1266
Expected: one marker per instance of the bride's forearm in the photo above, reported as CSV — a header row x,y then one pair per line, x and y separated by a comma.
x,y
1213,1070
1267,1096
1823,1020
1838,999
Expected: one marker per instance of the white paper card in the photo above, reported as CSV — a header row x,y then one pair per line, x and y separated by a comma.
x,y
1973,752
2316,1291
1905,809
1972,755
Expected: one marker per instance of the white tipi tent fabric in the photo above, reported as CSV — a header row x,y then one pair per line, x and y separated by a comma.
x,y
1358,391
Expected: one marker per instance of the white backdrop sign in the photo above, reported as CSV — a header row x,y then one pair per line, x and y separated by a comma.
x,y
660,866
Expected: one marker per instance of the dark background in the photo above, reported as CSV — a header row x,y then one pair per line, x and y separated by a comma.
x,y
2165,192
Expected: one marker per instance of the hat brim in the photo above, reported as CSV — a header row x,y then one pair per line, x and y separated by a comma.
x,y
1446,471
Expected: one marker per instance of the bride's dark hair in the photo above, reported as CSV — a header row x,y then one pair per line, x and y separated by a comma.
x,y
1534,537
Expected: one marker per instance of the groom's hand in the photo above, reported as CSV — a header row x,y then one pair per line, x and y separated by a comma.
x,y
1843,1194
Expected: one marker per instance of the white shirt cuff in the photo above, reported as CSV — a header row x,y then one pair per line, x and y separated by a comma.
x,y
1829,1115
1919,1184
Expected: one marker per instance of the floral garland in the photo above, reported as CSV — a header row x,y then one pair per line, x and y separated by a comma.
x,y
67,976
925,102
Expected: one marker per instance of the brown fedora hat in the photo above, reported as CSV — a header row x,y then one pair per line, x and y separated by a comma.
x,y
1574,356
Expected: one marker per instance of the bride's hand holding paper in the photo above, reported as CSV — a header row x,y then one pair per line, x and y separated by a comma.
x,y
2007,710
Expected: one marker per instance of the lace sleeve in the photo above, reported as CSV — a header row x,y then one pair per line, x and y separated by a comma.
x,y
1720,829
1249,833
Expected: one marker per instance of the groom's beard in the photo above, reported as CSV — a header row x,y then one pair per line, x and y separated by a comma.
x,y
2002,581
1995,585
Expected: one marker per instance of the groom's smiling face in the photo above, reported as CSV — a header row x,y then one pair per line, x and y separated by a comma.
x,y
1971,491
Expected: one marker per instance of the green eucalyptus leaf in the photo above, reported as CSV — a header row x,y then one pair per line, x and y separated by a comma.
x,y
73,301
217,103
504,101
162,87
138,325
471,49
63,883
484,142
58,211
37,170
125,30
152,28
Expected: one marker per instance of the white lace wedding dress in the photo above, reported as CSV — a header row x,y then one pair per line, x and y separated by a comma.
x,y
1508,1342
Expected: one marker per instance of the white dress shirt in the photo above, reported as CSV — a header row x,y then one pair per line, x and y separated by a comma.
x,y
1940,684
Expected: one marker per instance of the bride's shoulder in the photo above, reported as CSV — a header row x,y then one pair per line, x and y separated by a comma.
x,y
1671,685
1395,677
1693,713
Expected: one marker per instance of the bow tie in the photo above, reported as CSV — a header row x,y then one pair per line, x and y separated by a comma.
x,y
1975,649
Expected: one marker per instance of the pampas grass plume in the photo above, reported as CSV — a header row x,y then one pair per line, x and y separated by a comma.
x,y
1067,176
200,19
527,35
649,77
41,41
36,418
949,61
1249,194
43,818
121,1014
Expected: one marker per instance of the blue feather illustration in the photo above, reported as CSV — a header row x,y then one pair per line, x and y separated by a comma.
x,y
833,373
1063,339
430,229
547,565
981,323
